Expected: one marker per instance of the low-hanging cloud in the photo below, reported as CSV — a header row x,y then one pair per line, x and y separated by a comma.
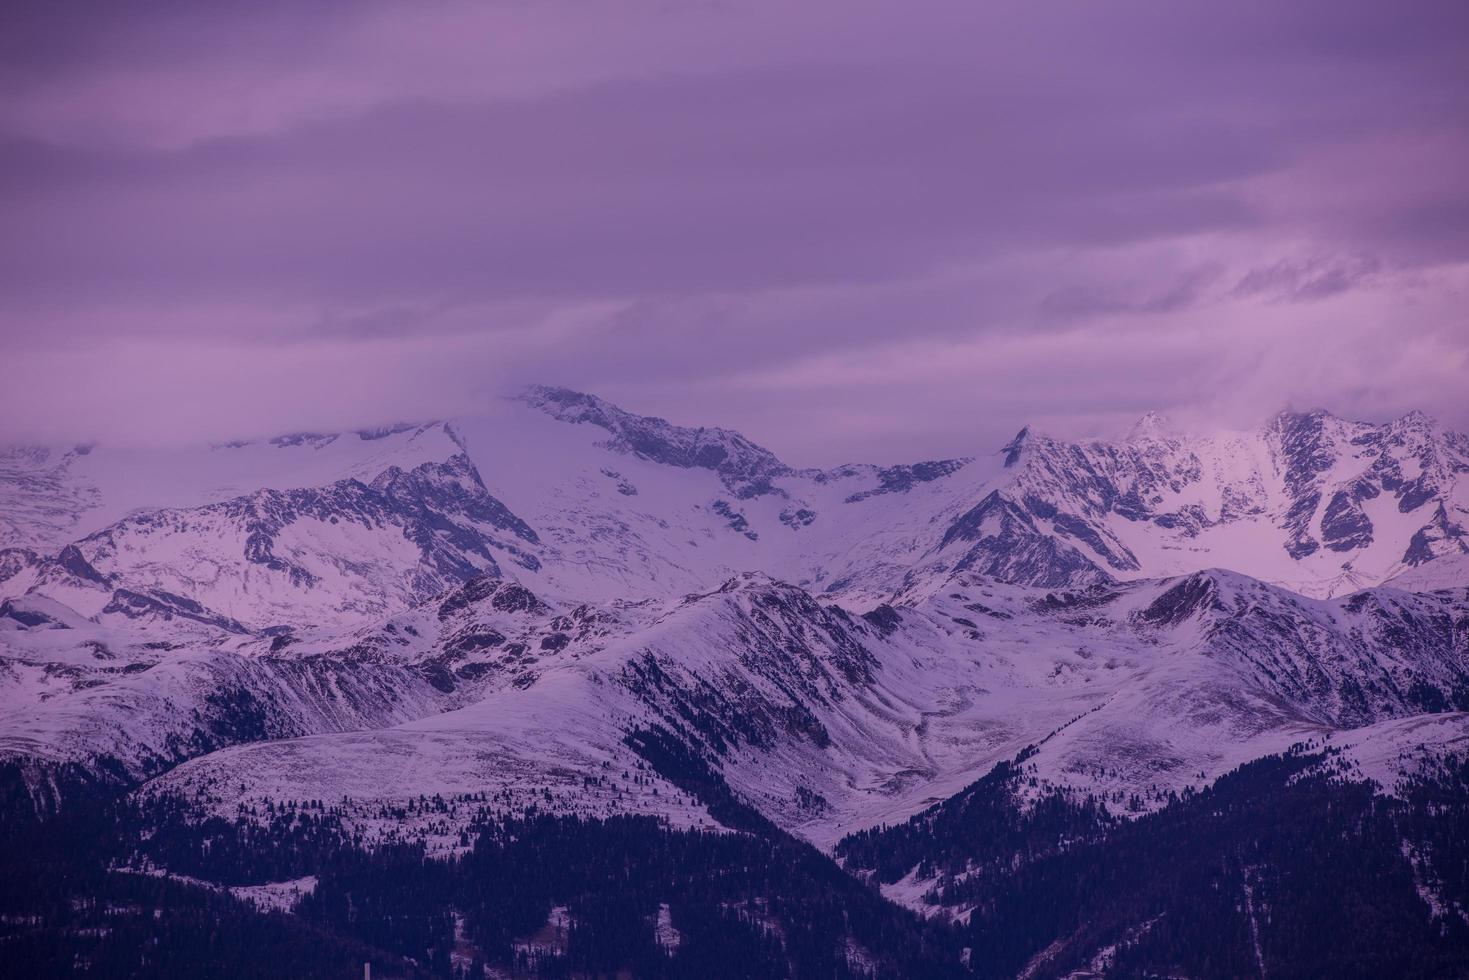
x,y
857,229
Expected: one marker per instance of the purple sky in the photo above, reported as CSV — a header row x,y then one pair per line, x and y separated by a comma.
x,y
853,230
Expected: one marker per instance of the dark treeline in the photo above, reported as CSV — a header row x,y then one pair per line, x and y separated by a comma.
x,y
740,904
983,831
66,910
1285,867
532,893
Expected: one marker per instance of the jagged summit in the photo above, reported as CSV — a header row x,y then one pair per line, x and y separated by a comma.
x,y
1014,447
1151,426
645,508
745,467
1416,420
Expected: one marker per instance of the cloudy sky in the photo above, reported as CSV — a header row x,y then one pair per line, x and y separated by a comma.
x,y
853,230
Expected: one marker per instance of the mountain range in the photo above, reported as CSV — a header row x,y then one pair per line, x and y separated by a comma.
x,y
579,612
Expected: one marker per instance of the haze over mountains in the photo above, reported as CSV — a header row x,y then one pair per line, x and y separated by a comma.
x,y
521,604
1310,502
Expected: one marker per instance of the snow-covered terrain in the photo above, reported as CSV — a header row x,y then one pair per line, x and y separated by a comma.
x,y
830,722
509,603
590,502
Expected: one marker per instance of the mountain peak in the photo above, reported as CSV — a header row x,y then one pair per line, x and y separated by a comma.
x,y
1151,426
745,468
1014,447
1415,421
1289,419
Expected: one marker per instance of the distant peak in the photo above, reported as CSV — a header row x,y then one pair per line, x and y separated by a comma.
x,y
314,439
569,405
1415,420
746,468
1013,448
1290,423
1288,416
548,395
396,428
1150,426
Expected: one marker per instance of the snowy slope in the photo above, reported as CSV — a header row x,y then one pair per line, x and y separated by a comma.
x,y
52,496
506,601
1448,572
829,722
1318,504
595,502
341,553
85,707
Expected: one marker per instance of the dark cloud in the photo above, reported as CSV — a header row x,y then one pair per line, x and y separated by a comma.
x,y
1310,278
1186,290
750,181
701,205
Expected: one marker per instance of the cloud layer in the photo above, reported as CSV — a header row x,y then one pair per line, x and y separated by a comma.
x,y
855,230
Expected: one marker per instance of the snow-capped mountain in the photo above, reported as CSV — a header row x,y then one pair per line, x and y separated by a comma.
x,y
563,610
277,557
843,645
826,720
585,500
1312,502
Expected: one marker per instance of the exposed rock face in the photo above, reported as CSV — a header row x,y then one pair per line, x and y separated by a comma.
x,y
1323,487
746,469
1005,542
1439,537
900,479
1306,447
1344,526
1409,460
165,606
734,519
